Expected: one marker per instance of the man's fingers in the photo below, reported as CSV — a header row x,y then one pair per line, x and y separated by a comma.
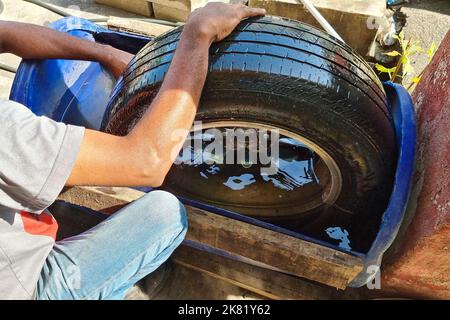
x,y
252,12
248,12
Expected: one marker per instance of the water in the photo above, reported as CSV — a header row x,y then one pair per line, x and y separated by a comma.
x,y
291,196
341,235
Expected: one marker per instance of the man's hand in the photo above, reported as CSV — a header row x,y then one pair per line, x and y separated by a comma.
x,y
145,155
116,60
35,42
217,20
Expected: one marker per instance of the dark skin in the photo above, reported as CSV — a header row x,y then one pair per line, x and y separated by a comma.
x,y
145,155
35,42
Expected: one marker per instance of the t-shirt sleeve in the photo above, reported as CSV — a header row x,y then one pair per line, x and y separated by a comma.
x,y
37,155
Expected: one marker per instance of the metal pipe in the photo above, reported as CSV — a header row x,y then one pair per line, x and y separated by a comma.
x,y
319,17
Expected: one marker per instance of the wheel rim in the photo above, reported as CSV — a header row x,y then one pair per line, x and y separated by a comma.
x,y
307,176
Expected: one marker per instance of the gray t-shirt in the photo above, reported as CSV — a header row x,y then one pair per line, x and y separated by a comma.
x,y
37,155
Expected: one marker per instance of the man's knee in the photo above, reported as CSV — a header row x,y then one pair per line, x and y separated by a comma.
x,y
169,211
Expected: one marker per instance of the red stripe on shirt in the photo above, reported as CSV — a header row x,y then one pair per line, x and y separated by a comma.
x,y
39,224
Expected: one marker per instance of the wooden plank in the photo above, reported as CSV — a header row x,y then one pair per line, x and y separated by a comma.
x,y
254,244
267,283
356,21
179,10
184,283
141,7
176,10
372,8
137,26
164,12
266,247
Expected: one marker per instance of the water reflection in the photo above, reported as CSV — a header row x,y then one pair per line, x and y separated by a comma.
x,y
340,234
240,182
294,167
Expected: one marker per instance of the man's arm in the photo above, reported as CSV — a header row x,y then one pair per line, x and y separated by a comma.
x,y
145,155
35,42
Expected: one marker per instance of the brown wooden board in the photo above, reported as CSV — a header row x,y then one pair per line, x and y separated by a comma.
x,y
356,21
137,26
266,283
179,10
252,244
141,7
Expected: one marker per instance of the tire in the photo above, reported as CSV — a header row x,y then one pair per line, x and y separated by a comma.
x,y
288,75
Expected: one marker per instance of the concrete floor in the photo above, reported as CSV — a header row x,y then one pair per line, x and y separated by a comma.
x,y
428,22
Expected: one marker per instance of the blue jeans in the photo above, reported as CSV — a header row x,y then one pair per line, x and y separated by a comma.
x,y
107,260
